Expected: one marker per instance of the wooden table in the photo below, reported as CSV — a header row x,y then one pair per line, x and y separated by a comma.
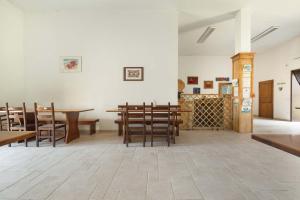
x,y
8,137
72,116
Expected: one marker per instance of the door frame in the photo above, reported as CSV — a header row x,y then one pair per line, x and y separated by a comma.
x,y
291,94
272,97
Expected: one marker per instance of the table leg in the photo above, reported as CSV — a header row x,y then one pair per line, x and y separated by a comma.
x,y
73,130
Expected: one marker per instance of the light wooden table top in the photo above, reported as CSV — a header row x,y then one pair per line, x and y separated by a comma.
x,y
57,110
7,137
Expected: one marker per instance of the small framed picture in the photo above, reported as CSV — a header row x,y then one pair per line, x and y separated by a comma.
x,y
196,90
70,64
222,78
208,84
192,80
133,74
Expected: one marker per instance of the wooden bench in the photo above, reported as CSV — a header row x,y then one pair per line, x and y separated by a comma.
x,y
148,122
91,122
8,137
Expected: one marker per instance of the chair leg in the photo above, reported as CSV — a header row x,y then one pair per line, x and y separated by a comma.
x,y
168,137
26,142
92,129
120,129
37,139
127,140
9,145
53,139
144,141
151,139
65,129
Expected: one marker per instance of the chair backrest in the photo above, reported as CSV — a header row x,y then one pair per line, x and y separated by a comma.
x,y
135,114
161,114
16,115
44,114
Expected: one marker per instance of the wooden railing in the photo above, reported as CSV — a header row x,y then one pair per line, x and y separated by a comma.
x,y
209,111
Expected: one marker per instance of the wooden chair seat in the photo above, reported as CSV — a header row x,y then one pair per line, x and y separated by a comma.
x,y
47,127
21,127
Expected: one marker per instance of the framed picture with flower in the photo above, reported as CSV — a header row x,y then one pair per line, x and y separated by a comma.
x,y
70,64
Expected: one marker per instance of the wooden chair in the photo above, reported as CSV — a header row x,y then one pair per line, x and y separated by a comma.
x,y
162,122
45,122
135,122
17,119
2,119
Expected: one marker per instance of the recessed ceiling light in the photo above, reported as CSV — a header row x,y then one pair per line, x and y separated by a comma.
x,y
264,33
206,34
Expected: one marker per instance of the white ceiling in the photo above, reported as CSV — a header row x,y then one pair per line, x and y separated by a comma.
x,y
266,13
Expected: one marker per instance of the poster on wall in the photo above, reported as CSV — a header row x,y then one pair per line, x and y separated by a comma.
x,y
70,64
196,90
222,79
208,84
246,105
192,80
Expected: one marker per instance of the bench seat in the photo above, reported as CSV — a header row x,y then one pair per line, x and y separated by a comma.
x,y
148,122
91,122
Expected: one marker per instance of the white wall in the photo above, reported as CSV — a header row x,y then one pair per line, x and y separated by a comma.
x,y
11,54
277,64
206,68
107,41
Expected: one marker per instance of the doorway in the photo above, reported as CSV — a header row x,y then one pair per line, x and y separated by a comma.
x,y
266,100
295,95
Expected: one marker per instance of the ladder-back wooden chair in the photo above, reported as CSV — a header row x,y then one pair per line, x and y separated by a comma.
x,y
162,123
2,119
45,123
135,122
16,119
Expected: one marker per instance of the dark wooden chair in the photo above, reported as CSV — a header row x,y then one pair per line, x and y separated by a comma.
x,y
162,123
2,119
135,122
45,123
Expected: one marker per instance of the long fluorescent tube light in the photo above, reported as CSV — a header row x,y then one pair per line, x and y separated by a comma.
x,y
264,33
206,34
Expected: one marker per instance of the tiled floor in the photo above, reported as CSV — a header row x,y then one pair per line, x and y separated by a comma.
x,y
202,165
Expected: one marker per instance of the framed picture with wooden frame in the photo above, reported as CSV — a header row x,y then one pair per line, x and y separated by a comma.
x,y
133,74
208,84
192,80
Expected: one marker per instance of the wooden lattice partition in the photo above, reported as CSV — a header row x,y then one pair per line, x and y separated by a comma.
x,y
209,111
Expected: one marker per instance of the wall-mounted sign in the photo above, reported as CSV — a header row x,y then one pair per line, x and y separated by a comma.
x,y
222,78
246,105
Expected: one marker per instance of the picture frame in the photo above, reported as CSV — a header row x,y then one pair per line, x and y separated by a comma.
x,y
133,73
71,64
208,84
196,90
222,78
192,80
